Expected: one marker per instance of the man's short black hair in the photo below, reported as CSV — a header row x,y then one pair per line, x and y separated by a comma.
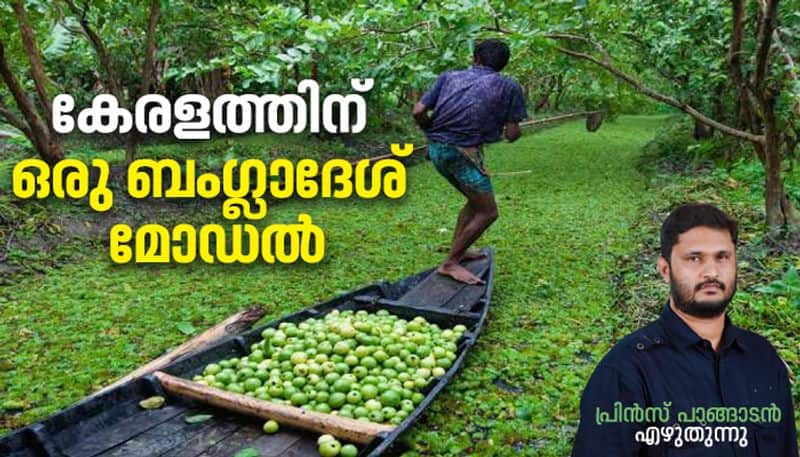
x,y
691,215
492,53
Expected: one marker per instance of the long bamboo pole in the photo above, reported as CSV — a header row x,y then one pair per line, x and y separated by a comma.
x,y
361,432
232,325
561,117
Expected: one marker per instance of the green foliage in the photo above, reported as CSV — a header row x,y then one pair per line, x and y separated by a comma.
x,y
788,286
260,47
674,149
677,47
718,149
14,149
60,38
667,151
248,452
685,43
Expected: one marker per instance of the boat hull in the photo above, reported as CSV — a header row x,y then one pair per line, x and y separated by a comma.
x,y
113,424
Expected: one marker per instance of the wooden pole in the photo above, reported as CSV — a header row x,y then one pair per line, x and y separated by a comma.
x,y
513,173
232,325
596,116
561,117
353,430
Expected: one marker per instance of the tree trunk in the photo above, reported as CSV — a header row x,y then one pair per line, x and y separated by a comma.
x,y
758,101
544,98
147,72
737,37
212,83
791,141
315,56
54,143
34,57
106,62
780,209
542,102
702,131
790,212
297,75
561,88
14,120
719,102
38,132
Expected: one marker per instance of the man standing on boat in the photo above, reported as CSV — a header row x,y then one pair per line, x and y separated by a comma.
x,y
471,108
691,383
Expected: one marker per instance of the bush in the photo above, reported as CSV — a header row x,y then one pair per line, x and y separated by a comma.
x,y
675,150
666,152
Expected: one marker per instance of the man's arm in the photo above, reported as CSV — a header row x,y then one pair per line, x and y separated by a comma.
x,y
512,132
420,113
516,112
427,102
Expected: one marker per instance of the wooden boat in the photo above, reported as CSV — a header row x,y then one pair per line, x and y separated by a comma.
x,y
113,424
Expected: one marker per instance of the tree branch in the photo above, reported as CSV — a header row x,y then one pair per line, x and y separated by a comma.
x,y
412,51
100,49
498,29
639,86
749,103
39,134
15,121
647,51
737,37
582,39
769,22
147,72
396,32
186,25
150,47
34,57
790,67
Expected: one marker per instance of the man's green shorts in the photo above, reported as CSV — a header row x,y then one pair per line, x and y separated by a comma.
x,y
463,173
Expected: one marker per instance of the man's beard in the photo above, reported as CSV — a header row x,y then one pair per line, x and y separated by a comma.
x,y
684,298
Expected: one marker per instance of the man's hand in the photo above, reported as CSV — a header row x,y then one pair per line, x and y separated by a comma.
x,y
420,113
512,132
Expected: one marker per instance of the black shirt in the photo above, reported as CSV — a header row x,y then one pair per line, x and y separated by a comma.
x,y
667,366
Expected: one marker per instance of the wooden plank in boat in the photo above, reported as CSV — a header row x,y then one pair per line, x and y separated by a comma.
x,y
464,300
209,436
168,436
306,447
437,290
283,443
252,436
105,431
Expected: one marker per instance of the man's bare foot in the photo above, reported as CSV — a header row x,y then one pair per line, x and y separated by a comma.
x,y
473,255
458,273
